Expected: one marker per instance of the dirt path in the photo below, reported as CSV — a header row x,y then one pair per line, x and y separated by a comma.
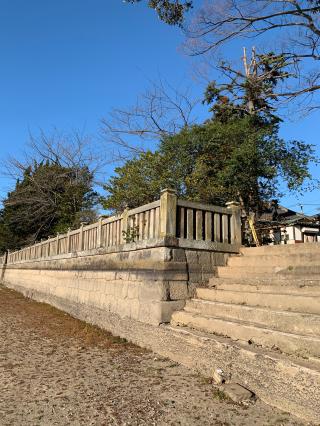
x,y
56,370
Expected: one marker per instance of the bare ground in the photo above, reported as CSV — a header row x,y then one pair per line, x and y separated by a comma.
x,y
57,370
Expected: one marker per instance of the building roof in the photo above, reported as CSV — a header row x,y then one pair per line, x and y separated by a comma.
x,y
277,214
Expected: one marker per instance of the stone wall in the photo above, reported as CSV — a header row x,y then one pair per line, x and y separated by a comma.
x,y
143,275
146,284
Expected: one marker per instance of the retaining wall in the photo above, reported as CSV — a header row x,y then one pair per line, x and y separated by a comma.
x,y
142,264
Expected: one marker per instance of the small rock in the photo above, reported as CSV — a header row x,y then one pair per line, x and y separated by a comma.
x,y
238,393
219,376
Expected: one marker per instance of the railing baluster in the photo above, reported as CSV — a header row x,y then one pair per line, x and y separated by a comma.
x,y
199,222
189,224
217,232
208,226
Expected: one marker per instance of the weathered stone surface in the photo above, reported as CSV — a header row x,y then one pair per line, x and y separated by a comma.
x,y
178,290
237,393
130,283
219,376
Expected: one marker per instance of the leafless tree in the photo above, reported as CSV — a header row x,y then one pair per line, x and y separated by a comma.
x,y
162,110
74,150
292,25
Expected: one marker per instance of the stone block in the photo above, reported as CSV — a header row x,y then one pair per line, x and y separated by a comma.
x,y
135,307
124,308
161,312
219,259
204,258
124,292
144,313
152,291
238,393
178,290
133,290
192,256
178,255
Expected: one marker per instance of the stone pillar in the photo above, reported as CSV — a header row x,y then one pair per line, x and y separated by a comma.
x,y
99,232
41,248
68,241
57,243
124,225
80,248
235,222
168,213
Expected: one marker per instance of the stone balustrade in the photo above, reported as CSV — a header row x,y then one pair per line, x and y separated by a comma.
x,y
180,223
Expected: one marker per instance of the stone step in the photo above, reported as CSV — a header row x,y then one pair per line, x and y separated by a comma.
x,y
277,301
258,271
267,281
287,382
281,249
305,290
288,322
298,345
284,260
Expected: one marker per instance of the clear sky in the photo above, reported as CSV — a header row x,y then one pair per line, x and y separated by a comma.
x,y
66,63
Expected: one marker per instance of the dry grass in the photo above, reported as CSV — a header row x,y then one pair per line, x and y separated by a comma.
x,y
50,322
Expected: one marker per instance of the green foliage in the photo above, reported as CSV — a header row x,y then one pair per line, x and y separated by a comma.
x,y
131,234
214,162
138,182
171,12
48,199
252,92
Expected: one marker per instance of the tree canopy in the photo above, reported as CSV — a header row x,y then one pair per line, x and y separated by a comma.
x,y
292,29
48,198
171,12
214,162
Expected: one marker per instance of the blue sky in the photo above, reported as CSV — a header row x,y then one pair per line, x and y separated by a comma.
x,y
66,63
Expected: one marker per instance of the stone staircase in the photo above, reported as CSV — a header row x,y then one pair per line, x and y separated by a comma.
x,y
267,296
266,299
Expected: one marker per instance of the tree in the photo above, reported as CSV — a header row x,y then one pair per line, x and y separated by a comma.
x,y
171,12
73,150
161,110
138,181
48,199
252,91
292,27
53,187
215,162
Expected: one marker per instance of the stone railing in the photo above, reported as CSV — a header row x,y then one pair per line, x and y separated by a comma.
x,y
168,221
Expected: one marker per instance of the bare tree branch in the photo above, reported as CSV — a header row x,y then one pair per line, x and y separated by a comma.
x,y
293,24
73,150
162,110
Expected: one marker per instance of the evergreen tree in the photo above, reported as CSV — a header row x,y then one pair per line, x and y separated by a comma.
x,y
215,162
48,199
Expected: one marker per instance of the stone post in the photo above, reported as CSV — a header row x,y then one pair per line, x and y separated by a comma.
x,y
235,222
124,224
48,247
99,232
80,248
41,248
57,243
68,241
168,213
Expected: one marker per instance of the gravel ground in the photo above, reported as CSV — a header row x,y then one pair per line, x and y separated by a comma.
x,y
56,370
